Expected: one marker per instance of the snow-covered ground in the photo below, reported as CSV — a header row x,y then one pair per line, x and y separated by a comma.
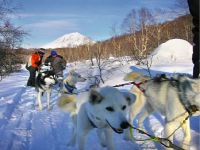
x,y
23,127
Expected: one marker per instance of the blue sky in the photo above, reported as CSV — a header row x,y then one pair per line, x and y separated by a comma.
x,y
46,20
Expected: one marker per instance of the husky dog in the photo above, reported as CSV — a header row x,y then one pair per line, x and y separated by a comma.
x,y
174,98
45,80
103,108
69,84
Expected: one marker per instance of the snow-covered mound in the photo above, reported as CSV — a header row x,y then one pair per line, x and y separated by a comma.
x,y
69,40
172,51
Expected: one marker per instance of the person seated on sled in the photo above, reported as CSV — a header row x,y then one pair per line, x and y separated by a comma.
x,y
33,64
58,64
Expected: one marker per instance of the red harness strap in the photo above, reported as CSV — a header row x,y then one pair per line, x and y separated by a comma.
x,y
138,85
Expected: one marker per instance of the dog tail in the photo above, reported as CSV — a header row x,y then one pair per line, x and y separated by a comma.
x,y
67,103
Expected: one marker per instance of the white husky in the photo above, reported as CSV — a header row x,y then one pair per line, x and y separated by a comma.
x,y
174,98
103,108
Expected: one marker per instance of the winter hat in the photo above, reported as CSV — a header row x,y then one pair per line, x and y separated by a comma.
x,y
41,51
54,53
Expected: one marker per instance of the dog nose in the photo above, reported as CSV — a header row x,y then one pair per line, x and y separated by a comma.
x,y
124,125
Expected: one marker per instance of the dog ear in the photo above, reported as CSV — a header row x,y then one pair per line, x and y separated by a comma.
x,y
95,97
130,97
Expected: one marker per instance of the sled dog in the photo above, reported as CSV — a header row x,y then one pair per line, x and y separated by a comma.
x,y
69,83
103,108
45,79
174,98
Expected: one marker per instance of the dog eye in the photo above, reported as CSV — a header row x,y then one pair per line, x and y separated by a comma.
x,y
110,109
124,107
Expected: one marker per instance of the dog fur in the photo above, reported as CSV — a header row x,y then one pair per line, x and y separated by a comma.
x,y
44,83
69,83
170,97
104,108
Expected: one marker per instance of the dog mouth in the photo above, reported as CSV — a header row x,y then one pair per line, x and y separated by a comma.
x,y
52,83
119,131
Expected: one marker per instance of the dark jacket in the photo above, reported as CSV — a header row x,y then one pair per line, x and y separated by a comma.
x,y
58,63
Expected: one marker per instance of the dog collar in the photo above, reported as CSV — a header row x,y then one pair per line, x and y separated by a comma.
x,y
69,88
90,120
92,123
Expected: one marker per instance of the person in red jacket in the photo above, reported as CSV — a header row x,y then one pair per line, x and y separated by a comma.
x,y
33,64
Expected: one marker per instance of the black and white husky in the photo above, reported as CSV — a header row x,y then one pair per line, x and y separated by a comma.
x,y
45,80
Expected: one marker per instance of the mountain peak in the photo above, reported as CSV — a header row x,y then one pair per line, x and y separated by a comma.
x,y
72,34
69,40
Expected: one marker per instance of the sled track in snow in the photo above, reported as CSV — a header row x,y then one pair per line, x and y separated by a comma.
x,y
11,107
18,121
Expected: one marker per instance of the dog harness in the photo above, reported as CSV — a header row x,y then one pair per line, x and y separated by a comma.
x,y
69,88
91,122
92,119
184,100
181,93
138,85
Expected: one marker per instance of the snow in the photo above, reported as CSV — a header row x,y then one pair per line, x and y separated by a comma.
x,y
23,127
69,40
173,51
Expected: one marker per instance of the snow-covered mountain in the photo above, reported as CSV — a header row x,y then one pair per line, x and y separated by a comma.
x,y
69,40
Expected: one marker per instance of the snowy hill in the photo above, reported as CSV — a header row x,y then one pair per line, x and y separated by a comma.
x,y
23,127
69,40
173,51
